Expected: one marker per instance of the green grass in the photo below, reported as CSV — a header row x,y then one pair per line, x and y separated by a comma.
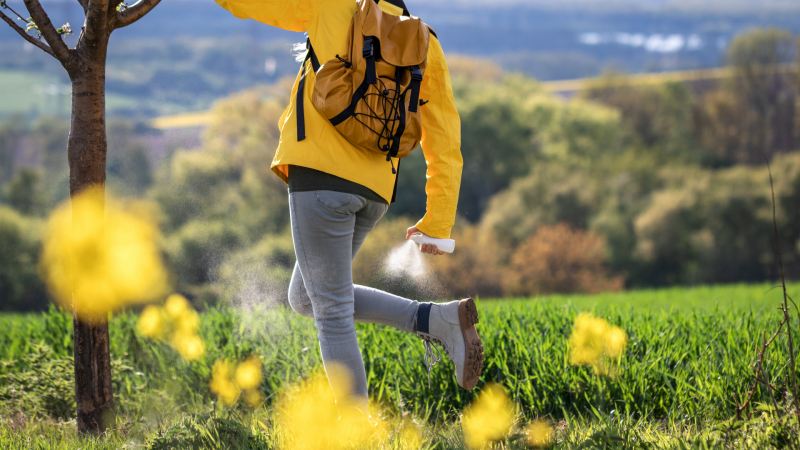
x,y
758,297
690,350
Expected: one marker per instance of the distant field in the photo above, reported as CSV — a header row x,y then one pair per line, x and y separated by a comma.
x,y
37,93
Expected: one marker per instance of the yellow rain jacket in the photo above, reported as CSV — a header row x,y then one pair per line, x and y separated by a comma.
x,y
324,149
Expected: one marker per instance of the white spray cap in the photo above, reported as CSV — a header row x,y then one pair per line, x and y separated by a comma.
x,y
445,245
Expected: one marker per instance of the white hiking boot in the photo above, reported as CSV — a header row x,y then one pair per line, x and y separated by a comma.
x,y
452,325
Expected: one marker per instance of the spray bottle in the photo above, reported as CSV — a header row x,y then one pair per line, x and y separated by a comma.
x,y
445,245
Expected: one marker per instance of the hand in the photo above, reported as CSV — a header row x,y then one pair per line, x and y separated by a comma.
x,y
430,249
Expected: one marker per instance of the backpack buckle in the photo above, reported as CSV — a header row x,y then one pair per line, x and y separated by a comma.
x,y
369,49
416,74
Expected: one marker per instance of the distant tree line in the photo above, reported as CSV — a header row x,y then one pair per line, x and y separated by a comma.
x,y
621,187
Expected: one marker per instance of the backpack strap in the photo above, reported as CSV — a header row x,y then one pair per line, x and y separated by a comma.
x,y
401,127
301,85
369,55
416,82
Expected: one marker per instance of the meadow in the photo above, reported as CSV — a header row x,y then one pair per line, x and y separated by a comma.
x,y
689,352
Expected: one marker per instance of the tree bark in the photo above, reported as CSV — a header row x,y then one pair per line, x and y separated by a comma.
x,y
86,150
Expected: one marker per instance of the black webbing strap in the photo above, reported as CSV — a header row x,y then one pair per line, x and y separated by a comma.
x,y
396,179
423,318
369,55
301,87
401,127
416,82
357,96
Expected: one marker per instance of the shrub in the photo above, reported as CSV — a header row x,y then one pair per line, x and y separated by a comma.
x,y
20,242
560,259
259,275
474,267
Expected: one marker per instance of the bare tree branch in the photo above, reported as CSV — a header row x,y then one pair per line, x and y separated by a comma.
x,y
85,5
135,12
96,21
27,36
39,16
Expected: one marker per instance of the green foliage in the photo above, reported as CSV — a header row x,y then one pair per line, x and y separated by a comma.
x,y
210,431
20,241
659,117
11,131
753,115
128,165
25,193
39,384
496,139
195,251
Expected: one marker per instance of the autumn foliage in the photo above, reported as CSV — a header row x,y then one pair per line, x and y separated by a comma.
x,y
560,259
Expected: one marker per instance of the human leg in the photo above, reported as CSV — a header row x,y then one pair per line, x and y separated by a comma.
x,y
370,305
322,230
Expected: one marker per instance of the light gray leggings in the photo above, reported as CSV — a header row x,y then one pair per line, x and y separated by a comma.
x,y
328,229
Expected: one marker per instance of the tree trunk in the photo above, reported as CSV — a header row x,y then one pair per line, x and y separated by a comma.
x,y
87,167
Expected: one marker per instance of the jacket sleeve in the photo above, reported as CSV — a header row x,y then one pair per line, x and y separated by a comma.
x,y
292,15
441,143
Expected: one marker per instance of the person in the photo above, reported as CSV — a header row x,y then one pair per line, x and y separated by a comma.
x,y
337,193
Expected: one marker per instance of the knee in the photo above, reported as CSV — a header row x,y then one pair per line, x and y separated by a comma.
x,y
299,301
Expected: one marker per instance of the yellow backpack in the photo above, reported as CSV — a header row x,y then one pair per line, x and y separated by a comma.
x,y
371,94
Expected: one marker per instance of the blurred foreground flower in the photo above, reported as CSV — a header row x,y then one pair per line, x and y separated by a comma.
x,y
311,420
540,434
99,257
222,383
488,418
410,436
594,339
176,322
228,382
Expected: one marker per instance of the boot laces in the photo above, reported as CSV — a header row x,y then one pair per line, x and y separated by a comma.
x,y
432,354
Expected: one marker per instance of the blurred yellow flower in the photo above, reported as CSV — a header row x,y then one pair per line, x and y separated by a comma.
x,y
616,341
488,418
410,436
177,322
188,345
540,434
151,323
253,397
222,383
248,373
592,339
98,256
311,420
177,306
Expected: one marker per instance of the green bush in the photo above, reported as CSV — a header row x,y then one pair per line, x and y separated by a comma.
x,y
20,242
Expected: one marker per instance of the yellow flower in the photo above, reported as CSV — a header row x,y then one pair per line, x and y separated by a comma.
x,y
592,339
177,306
539,434
248,373
98,257
151,323
489,418
311,420
221,383
188,345
253,397
616,341
410,436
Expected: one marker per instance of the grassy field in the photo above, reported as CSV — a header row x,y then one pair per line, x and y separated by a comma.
x,y
38,93
689,351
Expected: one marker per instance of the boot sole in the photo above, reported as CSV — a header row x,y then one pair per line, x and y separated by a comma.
x,y
473,359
